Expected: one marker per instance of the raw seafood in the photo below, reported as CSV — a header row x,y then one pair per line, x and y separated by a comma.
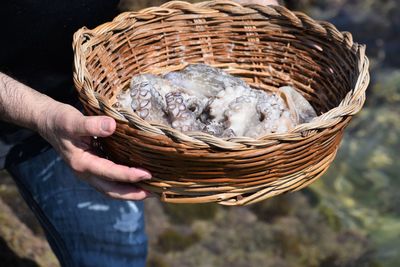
x,y
180,116
203,98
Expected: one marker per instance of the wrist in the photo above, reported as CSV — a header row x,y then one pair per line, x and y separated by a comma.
x,y
57,119
42,118
47,116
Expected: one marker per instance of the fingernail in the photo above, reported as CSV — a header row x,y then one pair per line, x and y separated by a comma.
x,y
106,125
146,176
151,194
143,174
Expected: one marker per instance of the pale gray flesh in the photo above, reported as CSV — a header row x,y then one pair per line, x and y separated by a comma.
x,y
299,107
202,80
203,98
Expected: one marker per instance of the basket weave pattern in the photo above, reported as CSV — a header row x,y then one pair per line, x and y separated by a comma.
x,y
268,47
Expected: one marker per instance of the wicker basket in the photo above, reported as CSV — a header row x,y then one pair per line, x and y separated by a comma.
x,y
268,47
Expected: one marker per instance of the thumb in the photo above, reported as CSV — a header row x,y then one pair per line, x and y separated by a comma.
x,y
101,126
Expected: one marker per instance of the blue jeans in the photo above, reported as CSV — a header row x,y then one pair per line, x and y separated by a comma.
x,y
83,227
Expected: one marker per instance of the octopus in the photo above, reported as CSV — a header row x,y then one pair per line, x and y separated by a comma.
x,y
146,98
202,80
273,116
241,115
179,115
212,87
207,99
301,110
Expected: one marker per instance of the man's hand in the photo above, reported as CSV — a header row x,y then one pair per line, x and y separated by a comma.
x,y
259,2
70,132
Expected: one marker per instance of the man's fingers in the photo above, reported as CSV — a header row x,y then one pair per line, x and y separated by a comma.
x,y
95,126
118,190
106,169
109,178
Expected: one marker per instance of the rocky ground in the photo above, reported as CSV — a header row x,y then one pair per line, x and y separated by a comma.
x,y
350,217
21,238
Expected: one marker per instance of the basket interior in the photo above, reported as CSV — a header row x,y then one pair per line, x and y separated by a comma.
x,y
267,53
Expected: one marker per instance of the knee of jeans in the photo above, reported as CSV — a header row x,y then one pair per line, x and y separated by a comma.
x,y
88,215
96,230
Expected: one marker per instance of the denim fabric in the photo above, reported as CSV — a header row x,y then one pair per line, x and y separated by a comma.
x,y
83,227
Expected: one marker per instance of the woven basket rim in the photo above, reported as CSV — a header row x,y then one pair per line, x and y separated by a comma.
x,y
352,103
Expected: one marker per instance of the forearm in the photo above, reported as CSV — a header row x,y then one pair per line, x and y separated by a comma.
x,y
21,105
